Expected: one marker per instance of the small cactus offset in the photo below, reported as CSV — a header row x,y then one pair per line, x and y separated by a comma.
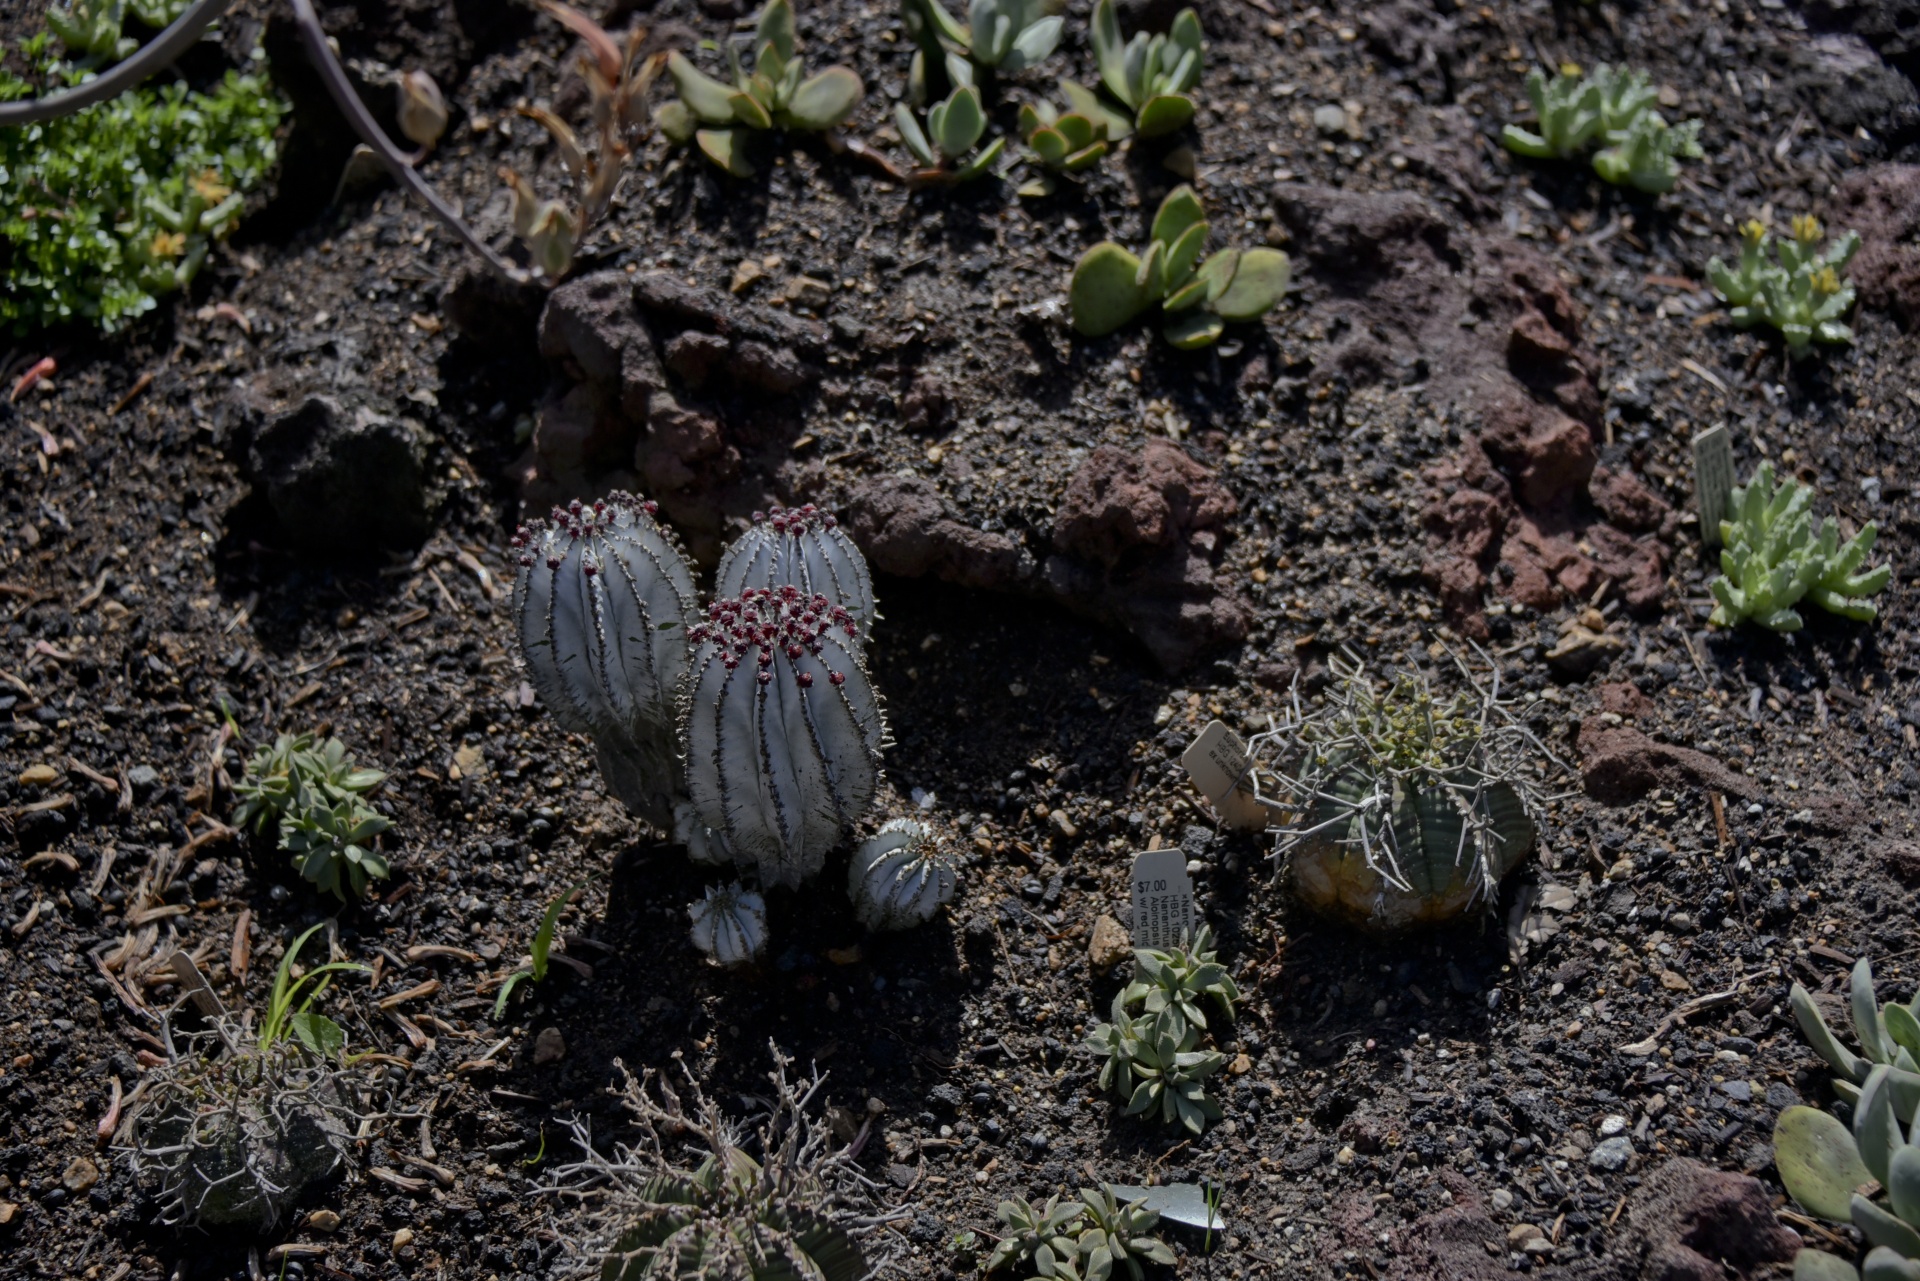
x,y
782,730
730,925
1772,559
1403,808
805,548
601,607
900,878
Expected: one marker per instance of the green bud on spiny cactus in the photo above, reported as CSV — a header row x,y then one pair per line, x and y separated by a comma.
x,y
730,925
901,877
782,729
601,608
1399,808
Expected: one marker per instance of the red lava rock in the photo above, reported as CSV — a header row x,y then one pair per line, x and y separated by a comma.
x,y
1624,699
1627,501
1902,861
906,529
1637,566
578,430
927,407
682,448
1450,1244
1883,204
1547,455
1620,765
1690,1222
1118,503
694,355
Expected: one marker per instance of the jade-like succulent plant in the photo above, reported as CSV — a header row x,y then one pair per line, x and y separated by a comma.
x,y
901,877
1111,286
782,729
770,90
1150,76
1612,107
1888,1035
730,925
1772,559
789,1209
1800,292
1061,142
1404,808
617,82
601,608
998,36
90,29
945,148
1044,1238
1154,1062
1181,978
1837,1175
312,794
1116,1236
803,547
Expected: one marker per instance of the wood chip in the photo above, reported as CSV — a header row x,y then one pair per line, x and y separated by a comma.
x,y
240,957
147,915
411,994
59,858
429,951
398,1180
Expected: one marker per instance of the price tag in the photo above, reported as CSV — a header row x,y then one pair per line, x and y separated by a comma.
x,y
1712,479
1217,763
1162,898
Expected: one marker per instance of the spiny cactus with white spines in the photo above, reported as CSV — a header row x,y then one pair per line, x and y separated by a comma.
x,y
803,547
900,877
602,604
782,729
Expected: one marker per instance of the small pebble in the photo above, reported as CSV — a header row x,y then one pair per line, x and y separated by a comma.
x,y
1502,1199
1611,1154
38,775
549,1046
323,1221
1329,119
1613,1125
81,1175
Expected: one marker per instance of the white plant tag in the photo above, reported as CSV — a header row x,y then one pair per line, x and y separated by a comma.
x,y
1712,479
1217,763
1162,898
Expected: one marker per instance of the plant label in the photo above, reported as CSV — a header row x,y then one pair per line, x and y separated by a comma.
x,y
1217,763
1712,479
1162,898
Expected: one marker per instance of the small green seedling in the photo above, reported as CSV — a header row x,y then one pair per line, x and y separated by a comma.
x,y
1772,559
945,148
1151,76
311,792
1800,292
1111,286
1154,1062
1613,108
539,953
1181,978
998,36
1085,1240
1061,143
315,1031
767,93
90,29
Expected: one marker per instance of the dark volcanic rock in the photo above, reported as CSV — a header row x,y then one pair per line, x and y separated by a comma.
x,y
905,529
342,480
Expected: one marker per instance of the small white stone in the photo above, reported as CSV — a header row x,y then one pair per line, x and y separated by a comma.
x,y
1612,1125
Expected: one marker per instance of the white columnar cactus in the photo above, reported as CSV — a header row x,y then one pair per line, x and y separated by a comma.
x,y
899,879
782,730
801,547
730,925
602,607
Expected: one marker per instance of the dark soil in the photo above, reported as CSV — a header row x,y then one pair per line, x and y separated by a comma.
x,y
1088,550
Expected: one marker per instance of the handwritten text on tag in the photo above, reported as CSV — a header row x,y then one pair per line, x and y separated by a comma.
x,y
1217,763
1162,898
1712,479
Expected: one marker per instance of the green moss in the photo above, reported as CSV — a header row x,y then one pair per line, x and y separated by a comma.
x,y
105,210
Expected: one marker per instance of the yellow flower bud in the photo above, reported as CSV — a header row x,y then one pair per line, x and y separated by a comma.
x,y
1825,282
168,244
207,185
1753,231
1807,229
